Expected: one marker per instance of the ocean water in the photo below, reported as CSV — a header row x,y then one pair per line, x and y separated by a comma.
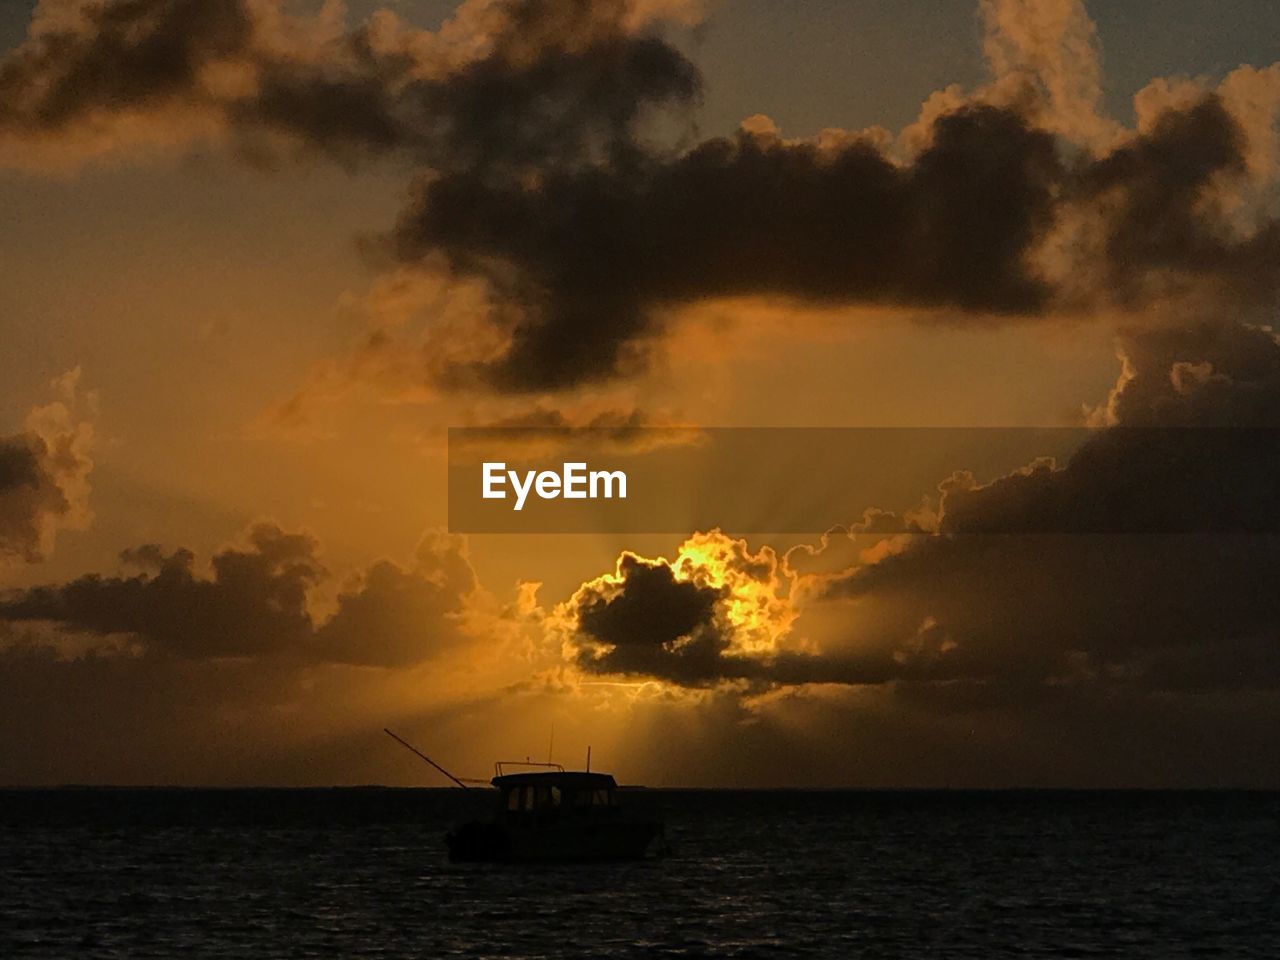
x,y
363,873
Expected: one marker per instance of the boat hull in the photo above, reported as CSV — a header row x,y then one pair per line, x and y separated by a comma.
x,y
492,842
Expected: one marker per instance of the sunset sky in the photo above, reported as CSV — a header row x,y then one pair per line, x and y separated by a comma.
x,y
257,257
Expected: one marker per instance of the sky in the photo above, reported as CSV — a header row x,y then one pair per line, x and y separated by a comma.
x,y
258,258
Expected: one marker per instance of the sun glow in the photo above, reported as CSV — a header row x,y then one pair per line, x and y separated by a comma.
x,y
752,610
754,601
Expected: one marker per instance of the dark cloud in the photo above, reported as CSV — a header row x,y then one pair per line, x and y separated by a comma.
x,y
394,617
44,474
1194,448
1208,374
19,463
148,556
122,55
346,116
1186,607
561,81
1025,613
648,620
28,494
700,619
592,254
651,624
254,603
1161,215
623,425
1139,566
543,429
580,96
570,100
590,257
545,176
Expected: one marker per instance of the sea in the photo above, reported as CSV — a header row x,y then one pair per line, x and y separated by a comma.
x,y
362,872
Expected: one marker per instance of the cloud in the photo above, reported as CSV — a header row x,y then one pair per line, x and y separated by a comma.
x,y
257,668
395,617
1016,202
653,624
548,431
117,56
255,603
44,474
503,81
1136,566
1164,226
1192,448
715,612
1045,53
1147,568
587,257
549,178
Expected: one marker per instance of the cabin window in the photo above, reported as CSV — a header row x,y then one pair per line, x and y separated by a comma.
x,y
600,798
513,799
528,797
555,796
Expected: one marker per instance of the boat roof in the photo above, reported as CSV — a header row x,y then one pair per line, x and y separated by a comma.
x,y
564,779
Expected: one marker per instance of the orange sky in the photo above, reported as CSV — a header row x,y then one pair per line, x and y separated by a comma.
x,y
257,265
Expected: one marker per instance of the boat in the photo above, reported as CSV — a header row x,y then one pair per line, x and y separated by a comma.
x,y
550,814
554,815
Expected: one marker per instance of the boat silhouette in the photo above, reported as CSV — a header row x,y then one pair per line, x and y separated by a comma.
x,y
550,814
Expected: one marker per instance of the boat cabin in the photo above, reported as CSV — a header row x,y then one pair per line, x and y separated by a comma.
x,y
559,792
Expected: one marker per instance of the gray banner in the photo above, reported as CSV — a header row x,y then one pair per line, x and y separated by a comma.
x,y
778,480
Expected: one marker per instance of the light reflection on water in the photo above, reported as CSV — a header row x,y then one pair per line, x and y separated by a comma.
x,y
363,874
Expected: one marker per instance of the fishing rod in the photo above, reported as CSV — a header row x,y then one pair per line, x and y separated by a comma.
x,y
411,747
